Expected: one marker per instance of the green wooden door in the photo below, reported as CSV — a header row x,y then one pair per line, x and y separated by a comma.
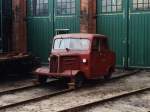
x,y
111,21
67,15
139,33
43,23
40,27
126,23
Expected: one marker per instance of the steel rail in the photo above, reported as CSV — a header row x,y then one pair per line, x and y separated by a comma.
x,y
9,91
102,101
125,75
36,99
55,93
84,106
19,89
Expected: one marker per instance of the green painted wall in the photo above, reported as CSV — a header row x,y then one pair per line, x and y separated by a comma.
x,y
139,38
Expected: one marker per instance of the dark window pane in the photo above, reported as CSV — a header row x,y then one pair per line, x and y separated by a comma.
x,y
39,7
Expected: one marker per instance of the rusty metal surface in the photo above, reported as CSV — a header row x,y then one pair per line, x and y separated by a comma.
x,y
14,63
12,55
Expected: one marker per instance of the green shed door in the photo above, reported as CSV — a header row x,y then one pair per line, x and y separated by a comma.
x,y
139,33
111,22
40,27
127,24
67,15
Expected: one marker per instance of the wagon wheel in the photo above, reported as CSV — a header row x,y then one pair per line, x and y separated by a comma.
x,y
79,81
109,75
42,79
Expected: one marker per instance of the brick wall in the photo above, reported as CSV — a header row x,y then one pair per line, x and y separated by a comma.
x,y
88,13
19,26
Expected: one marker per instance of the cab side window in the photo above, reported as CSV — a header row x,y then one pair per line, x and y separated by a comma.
x,y
96,45
104,44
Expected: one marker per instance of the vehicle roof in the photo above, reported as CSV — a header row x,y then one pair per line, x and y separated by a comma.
x,y
80,35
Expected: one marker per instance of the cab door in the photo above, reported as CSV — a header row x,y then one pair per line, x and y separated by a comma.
x,y
98,59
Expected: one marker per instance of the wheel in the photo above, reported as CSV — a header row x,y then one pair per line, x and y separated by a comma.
x,y
42,79
109,75
79,81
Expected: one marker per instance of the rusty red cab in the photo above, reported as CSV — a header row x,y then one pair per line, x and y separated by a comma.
x,y
78,57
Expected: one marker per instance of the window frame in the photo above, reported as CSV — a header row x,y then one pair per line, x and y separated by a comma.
x,y
110,6
70,5
69,39
35,9
140,9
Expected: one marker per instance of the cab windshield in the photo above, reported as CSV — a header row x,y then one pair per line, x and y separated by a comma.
x,y
72,44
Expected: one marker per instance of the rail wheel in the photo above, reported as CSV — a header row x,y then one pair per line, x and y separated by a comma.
x,y
109,75
42,79
79,81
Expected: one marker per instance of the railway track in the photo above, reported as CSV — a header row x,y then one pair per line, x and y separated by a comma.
x,y
82,107
10,91
48,95
54,92
36,99
19,89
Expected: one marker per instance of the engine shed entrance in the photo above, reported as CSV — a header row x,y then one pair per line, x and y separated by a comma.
x,y
127,24
45,17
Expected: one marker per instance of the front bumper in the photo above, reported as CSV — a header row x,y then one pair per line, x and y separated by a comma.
x,y
45,71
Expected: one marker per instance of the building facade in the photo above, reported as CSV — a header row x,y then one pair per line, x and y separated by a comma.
x,y
125,22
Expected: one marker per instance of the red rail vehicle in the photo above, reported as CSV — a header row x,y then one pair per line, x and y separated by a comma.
x,y
78,57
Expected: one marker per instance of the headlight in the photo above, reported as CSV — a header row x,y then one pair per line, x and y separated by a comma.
x,y
84,60
49,59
